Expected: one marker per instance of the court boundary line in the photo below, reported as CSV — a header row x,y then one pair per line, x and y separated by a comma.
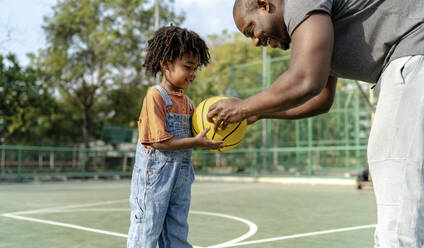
x,y
62,224
79,207
40,210
302,235
17,215
222,245
253,228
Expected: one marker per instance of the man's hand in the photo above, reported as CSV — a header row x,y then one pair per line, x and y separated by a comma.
x,y
252,119
225,112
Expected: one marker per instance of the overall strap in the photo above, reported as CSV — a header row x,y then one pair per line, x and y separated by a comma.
x,y
189,103
166,98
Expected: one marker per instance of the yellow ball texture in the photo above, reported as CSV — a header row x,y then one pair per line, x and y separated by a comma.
x,y
232,135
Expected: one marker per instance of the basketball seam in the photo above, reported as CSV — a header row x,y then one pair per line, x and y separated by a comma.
x,y
203,109
203,118
195,131
232,131
213,136
219,149
238,142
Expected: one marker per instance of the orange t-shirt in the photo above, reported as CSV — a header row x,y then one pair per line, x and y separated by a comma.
x,y
152,121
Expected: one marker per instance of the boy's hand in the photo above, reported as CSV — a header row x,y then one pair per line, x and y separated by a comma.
x,y
204,142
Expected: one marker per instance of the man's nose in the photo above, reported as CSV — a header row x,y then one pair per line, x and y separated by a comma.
x,y
256,42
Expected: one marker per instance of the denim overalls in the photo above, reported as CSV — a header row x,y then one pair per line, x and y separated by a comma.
x,y
161,189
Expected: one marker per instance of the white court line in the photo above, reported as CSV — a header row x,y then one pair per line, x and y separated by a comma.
x,y
35,211
86,210
70,226
65,225
252,227
66,207
232,243
298,236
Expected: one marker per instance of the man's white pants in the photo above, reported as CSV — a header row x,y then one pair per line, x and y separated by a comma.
x,y
396,155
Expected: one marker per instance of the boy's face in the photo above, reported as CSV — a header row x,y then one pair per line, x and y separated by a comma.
x,y
181,73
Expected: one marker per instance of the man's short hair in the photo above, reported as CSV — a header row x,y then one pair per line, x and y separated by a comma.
x,y
244,5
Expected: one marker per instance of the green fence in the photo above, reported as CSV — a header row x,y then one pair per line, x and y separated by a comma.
x,y
26,162
333,144
21,162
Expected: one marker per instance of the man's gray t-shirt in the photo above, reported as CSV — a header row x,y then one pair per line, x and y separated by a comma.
x,y
368,34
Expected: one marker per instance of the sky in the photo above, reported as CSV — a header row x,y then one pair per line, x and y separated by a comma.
x,y
21,22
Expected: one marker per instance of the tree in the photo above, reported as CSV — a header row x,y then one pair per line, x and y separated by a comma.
x,y
26,106
94,45
122,105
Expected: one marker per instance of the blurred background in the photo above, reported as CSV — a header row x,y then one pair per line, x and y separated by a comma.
x,y
72,84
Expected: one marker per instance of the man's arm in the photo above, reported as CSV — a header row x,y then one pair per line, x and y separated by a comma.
x,y
312,47
317,105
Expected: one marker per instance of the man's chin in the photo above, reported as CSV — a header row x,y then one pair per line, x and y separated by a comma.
x,y
281,45
274,45
285,46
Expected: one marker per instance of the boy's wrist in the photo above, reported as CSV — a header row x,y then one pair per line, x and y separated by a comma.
x,y
195,141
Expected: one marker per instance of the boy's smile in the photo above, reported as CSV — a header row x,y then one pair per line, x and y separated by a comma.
x,y
179,75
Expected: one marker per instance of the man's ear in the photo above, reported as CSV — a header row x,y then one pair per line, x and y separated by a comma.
x,y
263,5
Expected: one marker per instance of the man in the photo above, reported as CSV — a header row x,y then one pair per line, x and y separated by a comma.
x,y
377,41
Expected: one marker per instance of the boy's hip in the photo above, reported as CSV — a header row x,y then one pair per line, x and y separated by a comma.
x,y
183,156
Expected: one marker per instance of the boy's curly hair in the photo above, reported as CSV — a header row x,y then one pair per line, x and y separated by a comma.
x,y
170,43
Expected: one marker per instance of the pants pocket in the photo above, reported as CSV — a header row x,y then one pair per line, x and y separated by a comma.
x,y
192,175
154,172
411,67
136,221
137,195
139,213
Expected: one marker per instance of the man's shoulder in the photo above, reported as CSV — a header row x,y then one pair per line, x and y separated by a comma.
x,y
297,11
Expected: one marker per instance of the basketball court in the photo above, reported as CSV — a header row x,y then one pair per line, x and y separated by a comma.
x,y
96,214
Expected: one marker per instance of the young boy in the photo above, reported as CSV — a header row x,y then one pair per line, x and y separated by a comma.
x,y
163,174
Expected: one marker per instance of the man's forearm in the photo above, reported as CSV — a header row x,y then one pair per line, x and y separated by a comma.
x,y
317,105
282,96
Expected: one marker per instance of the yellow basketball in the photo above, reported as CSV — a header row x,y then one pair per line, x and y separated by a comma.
x,y
233,133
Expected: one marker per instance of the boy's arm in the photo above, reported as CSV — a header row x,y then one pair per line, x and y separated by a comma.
x,y
200,140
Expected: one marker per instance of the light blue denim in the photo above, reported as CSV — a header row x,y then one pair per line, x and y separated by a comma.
x,y
396,155
161,190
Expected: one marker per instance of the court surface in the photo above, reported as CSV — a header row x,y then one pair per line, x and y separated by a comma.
x,y
96,214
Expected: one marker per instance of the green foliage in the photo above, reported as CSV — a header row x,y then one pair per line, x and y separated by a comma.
x,y
27,106
122,105
95,45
